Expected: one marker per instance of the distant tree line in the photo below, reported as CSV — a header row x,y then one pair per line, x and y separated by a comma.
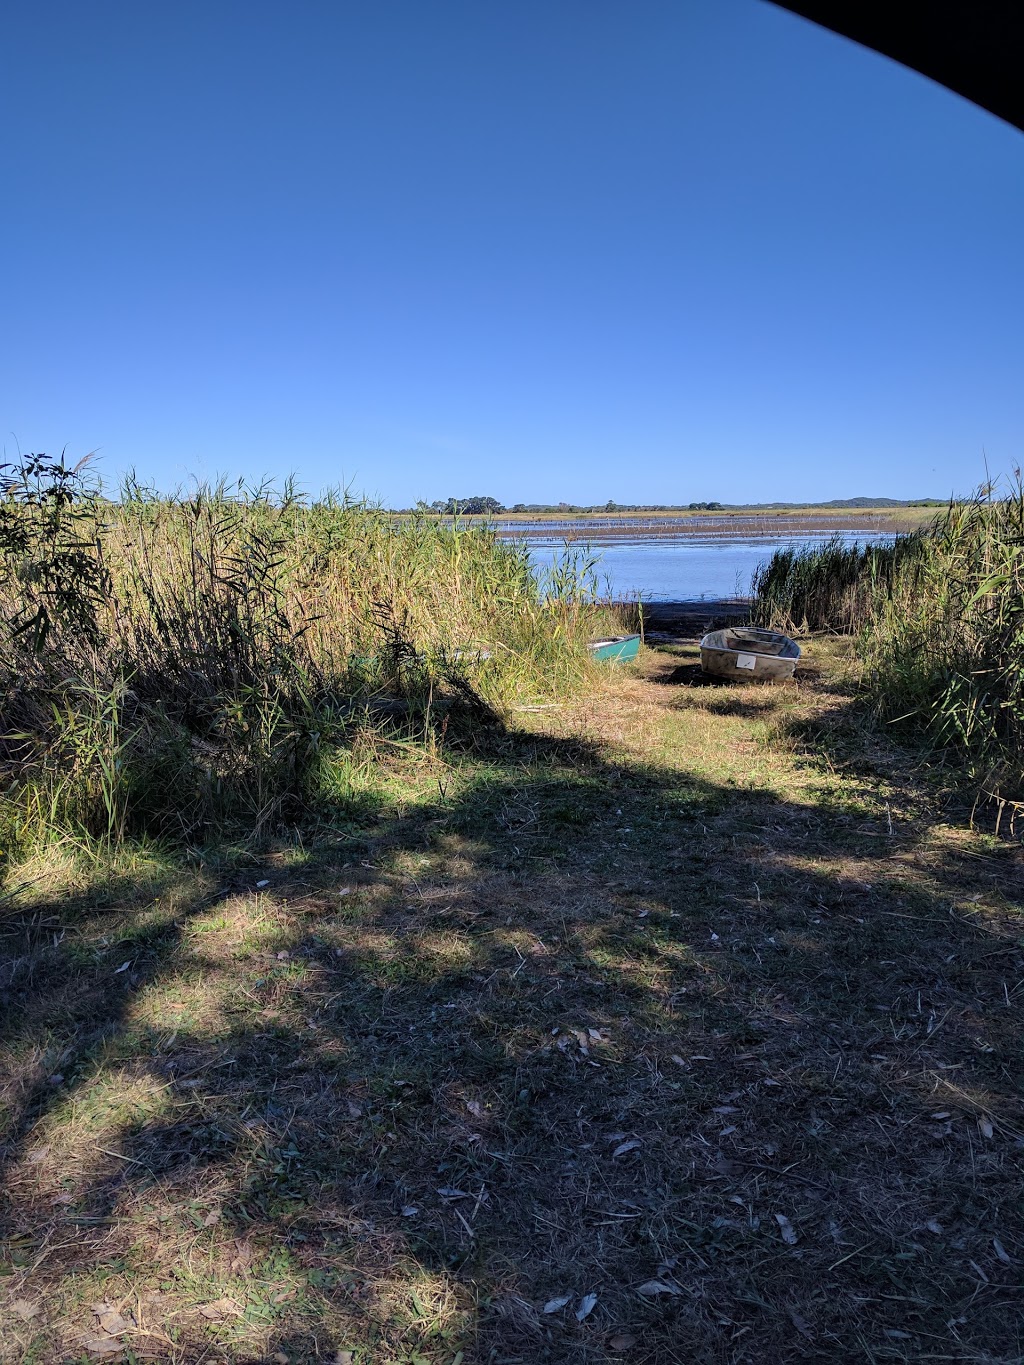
x,y
478,506
470,507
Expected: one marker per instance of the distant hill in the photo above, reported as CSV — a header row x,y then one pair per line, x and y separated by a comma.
x,y
834,503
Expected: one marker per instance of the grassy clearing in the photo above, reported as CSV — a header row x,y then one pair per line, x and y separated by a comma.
x,y
679,1023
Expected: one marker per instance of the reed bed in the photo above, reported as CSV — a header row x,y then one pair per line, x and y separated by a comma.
x,y
940,615
173,665
833,586
945,649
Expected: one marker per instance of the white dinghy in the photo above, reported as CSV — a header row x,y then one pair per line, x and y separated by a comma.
x,y
745,652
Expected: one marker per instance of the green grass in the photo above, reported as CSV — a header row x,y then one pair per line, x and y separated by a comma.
x,y
585,1006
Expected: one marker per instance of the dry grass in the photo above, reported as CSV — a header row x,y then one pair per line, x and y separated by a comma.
x,y
694,999
204,666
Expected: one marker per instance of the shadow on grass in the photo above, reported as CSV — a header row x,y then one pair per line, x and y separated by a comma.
x,y
740,1066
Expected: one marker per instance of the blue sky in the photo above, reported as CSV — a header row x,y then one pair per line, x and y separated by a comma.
x,y
663,250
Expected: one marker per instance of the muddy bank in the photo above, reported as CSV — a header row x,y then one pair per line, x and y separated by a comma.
x,y
690,620
723,525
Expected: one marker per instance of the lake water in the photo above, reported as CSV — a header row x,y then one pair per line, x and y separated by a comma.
x,y
685,567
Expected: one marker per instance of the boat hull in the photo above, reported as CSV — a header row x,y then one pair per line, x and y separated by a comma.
x,y
618,650
746,654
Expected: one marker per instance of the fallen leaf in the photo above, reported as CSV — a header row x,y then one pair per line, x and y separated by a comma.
x,y
933,1225
553,1305
1001,1251
801,1324
894,1334
725,1109
264,882
345,891
40,1154
624,1147
449,1192
410,1211
217,1308
653,1288
985,1124
622,1342
679,1061
111,1321
123,967
789,1233
586,1307
942,1114
25,1309
475,1108
98,1345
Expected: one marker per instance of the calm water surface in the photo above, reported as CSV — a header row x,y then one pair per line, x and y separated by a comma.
x,y
681,568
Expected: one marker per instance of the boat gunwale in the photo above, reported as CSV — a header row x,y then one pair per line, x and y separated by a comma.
x,y
713,641
605,641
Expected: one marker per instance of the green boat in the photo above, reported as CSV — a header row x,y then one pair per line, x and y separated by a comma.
x,y
616,649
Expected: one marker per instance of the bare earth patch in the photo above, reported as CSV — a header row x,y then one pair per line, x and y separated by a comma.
x,y
685,1027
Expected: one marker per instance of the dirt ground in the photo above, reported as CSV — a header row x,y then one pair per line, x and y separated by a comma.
x,y
679,1025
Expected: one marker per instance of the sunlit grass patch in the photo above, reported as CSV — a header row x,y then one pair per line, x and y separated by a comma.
x,y
81,1135
75,869
422,1310
236,928
416,956
192,1002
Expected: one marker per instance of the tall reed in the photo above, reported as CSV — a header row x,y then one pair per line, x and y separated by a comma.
x,y
945,649
940,616
832,586
171,664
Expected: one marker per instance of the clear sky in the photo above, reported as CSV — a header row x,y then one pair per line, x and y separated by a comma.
x,y
649,250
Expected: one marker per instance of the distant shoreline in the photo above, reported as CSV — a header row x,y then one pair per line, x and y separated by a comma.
x,y
728,521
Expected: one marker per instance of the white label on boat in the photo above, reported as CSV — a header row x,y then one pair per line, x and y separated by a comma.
x,y
746,660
